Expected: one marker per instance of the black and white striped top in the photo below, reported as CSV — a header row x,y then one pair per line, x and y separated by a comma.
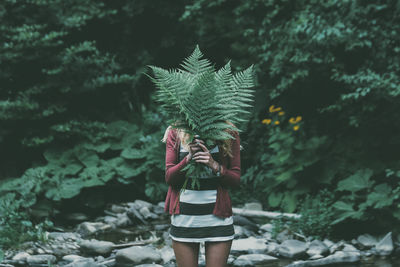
x,y
196,223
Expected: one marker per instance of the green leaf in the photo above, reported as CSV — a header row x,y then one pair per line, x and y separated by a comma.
x,y
357,181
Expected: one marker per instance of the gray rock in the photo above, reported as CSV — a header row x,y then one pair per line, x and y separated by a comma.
x,y
88,228
118,208
149,265
292,248
267,227
141,203
134,214
84,264
272,248
96,247
137,255
167,254
337,258
147,214
253,259
20,256
241,232
267,236
243,221
317,247
64,236
76,216
284,235
328,243
367,241
350,248
385,245
253,206
316,256
248,245
337,246
71,258
123,220
110,219
41,259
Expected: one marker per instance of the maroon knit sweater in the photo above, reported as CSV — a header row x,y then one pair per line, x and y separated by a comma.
x,y
174,177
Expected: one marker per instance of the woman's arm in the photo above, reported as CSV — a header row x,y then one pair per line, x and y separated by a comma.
x,y
173,173
231,177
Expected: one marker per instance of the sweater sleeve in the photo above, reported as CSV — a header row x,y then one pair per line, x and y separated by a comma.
x,y
231,177
173,173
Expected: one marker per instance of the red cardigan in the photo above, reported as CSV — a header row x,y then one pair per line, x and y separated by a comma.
x,y
174,177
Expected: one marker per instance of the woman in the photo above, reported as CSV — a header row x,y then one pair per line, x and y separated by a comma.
x,y
205,214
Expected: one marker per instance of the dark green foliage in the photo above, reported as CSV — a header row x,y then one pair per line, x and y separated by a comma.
x,y
15,224
317,215
72,89
336,64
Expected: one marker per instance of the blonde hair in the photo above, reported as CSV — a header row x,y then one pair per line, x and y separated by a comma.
x,y
226,145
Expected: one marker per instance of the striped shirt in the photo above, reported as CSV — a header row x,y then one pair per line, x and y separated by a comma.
x,y
196,223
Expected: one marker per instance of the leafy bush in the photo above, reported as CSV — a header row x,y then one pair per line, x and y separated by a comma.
x,y
15,225
317,216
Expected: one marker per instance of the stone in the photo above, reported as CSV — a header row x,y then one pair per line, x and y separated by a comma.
x,y
96,247
338,258
123,220
267,235
241,232
89,228
149,265
253,259
63,236
117,208
253,206
141,203
268,227
71,258
243,221
41,259
367,241
283,236
349,248
292,248
84,264
167,254
20,256
77,216
328,242
137,255
272,248
336,246
317,247
249,245
110,219
385,245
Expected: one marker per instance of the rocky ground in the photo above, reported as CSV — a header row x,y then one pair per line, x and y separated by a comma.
x,y
136,234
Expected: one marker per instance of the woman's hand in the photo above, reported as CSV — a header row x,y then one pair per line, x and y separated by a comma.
x,y
205,157
194,147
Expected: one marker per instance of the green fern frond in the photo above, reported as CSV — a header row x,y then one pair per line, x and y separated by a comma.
x,y
201,100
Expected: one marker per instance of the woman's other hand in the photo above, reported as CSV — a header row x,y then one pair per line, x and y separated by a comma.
x,y
205,157
194,147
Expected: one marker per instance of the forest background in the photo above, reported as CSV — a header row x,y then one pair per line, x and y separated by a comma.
x,y
80,127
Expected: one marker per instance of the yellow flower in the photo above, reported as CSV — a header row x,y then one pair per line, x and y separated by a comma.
x,y
291,120
298,118
266,121
276,122
273,109
281,113
296,127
